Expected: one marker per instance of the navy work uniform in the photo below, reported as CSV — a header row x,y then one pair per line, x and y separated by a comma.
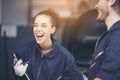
x,y
106,59
58,64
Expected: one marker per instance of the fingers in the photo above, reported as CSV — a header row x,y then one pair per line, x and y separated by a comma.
x,y
26,65
19,62
20,68
15,59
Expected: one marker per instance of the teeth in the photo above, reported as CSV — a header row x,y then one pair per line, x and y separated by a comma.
x,y
39,35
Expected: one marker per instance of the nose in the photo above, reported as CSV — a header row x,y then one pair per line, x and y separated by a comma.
x,y
39,28
96,6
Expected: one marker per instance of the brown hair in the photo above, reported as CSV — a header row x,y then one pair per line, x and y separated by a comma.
x,y
54,16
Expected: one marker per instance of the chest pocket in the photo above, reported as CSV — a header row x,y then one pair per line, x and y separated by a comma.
x,y
101,45
99,54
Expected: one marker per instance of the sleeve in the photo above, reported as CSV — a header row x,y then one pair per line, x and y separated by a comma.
x,y
71,71
110,69
11,73
19,55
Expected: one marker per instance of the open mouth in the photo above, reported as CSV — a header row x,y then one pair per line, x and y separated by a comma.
x,y
40,35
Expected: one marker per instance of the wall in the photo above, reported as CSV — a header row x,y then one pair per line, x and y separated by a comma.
x,y
15,12
12,12
93,2
0,10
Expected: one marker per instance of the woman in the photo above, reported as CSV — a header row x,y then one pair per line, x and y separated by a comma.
x,y
48,60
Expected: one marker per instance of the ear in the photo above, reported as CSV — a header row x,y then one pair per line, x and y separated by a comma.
x,y
53,29
111,2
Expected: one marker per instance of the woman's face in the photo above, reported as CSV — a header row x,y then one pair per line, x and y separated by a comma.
x,y
42,29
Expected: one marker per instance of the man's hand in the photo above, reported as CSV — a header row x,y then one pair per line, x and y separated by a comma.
x,y
20,68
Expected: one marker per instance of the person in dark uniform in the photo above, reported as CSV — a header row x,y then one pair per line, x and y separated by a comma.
x,y
106,59
44,58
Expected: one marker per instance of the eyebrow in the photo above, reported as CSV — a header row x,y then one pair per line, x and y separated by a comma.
x,y
41,23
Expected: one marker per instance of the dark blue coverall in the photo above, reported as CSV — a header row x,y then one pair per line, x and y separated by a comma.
x,y
58,64
106,58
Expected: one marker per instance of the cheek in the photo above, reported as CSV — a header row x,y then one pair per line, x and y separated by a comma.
x,y
48,33
105,12
102,15
33,30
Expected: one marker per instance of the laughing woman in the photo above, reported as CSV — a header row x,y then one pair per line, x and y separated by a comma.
x,y
48,60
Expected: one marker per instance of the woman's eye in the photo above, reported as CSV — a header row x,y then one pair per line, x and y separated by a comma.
x,y
44,26
34,25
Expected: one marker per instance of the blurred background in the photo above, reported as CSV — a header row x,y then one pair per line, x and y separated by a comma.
x,y
78,29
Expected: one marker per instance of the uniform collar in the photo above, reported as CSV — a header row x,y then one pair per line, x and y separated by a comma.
x,y
115,26
52,53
